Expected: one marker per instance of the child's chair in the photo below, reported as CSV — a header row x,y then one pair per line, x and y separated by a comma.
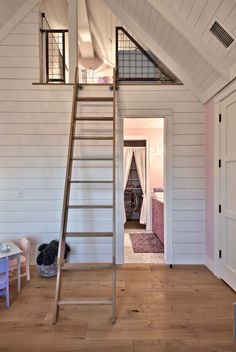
x,y
4,279
24,245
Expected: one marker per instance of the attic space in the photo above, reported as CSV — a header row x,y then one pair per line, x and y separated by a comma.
x,y
179,34
117,175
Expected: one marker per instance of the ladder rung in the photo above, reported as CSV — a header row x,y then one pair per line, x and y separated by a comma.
x,y
81,301
94,119
88,234
97,138
93,181
90,206
93,159
95,99
89,266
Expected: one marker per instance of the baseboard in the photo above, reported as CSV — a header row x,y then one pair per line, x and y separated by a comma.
x,y
188,259
210,264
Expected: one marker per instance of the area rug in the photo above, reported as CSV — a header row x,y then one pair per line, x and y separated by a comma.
x,y
143,242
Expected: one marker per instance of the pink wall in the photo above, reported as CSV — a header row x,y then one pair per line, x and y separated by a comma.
x,y
209,179
156,152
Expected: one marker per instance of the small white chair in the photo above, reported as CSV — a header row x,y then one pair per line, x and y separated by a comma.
x,y
24,245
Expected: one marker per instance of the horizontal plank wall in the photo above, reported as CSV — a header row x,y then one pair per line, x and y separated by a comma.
x,y
188,160
34,126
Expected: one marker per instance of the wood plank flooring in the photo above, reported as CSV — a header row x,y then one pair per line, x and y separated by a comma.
x,y
184,309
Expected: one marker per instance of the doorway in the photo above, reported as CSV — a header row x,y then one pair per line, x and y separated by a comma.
x,y
144,190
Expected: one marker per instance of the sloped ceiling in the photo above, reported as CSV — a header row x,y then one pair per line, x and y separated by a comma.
x,y
8,9
201,14
178,33
56,13
103,22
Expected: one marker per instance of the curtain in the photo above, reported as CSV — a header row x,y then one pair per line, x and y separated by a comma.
x,y
140,156
128,154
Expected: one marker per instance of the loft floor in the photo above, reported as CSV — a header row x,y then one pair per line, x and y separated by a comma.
x,y
160,309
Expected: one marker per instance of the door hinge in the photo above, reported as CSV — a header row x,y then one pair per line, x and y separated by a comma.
x,y
220,254
219,117
219,208
219,162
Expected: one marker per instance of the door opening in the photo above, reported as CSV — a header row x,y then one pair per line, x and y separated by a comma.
x,y
143,190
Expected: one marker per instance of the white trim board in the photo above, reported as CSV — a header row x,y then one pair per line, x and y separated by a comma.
x,y
168,234
216,194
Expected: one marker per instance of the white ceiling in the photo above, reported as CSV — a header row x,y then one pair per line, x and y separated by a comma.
x,y
183,43
103,23
56,13
8,8
200,15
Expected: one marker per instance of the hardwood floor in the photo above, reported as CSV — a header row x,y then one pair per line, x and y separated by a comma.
x,y
159,309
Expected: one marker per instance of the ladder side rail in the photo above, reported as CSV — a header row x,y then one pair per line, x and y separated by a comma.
x,y
114,203
68,167
61,248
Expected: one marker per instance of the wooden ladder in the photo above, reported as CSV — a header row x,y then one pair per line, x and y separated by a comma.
x,y
61,265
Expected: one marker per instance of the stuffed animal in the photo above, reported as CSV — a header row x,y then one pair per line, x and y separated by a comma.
x,y
46,259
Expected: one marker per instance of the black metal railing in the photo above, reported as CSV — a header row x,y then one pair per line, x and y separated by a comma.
x,y
134,63
55,55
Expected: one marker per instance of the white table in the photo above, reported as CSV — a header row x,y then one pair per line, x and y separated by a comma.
x,y
13,253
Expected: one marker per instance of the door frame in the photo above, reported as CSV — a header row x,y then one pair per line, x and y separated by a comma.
x,y
231,88
168,235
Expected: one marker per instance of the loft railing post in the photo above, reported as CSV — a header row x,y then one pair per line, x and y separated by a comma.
x,y
63,57
47,60
116,71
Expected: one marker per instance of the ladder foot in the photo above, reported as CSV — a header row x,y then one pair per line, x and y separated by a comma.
x,y
113,316
55,315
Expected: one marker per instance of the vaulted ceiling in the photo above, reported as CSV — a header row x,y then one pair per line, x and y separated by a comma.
x,y
176,31
8,9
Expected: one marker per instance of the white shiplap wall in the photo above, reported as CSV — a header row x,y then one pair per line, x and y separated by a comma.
x,y
188,160
34,125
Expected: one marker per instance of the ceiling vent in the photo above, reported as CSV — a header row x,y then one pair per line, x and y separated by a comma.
x,y
221,34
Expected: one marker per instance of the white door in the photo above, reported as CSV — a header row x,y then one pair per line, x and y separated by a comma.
x,y
228,190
